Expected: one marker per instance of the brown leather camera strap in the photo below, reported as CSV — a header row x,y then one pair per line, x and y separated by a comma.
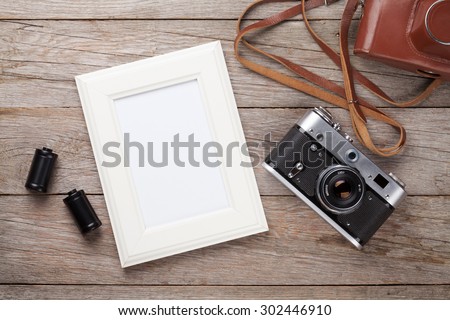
x,y
320,87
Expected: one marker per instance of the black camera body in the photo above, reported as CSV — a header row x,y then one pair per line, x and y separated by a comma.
x,y
322,167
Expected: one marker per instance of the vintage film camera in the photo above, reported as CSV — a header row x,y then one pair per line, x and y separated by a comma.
x,y
321,166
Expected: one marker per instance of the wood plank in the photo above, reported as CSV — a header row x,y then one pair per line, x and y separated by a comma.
x,y
39,244
39,59
43,256
154,9
423,165
74,292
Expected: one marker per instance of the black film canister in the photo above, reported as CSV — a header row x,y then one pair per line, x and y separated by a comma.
x,y
41,169
82,210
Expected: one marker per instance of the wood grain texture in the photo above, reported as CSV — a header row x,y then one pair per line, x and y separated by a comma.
x,y
45,43
40,244
77,292
149,9
423,165
39,59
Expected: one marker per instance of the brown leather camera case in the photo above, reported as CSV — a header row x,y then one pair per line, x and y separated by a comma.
x,y
409,34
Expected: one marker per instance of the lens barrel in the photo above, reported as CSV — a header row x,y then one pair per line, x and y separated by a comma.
x,y
340,189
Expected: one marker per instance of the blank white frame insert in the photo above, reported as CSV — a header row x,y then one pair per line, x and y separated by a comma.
x,y
160,211
174,190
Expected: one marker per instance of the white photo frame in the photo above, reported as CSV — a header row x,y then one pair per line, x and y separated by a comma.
x,y
151,216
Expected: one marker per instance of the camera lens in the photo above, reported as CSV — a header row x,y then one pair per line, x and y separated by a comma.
x,y
340,189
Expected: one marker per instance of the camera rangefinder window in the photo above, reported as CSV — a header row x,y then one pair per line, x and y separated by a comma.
x,y
381,181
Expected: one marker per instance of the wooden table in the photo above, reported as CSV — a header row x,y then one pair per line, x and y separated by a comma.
x,y
44,44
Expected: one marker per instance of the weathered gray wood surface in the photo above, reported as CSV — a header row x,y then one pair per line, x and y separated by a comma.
x,y
80,292
46,55
423,165
42,254
41,245
138,9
